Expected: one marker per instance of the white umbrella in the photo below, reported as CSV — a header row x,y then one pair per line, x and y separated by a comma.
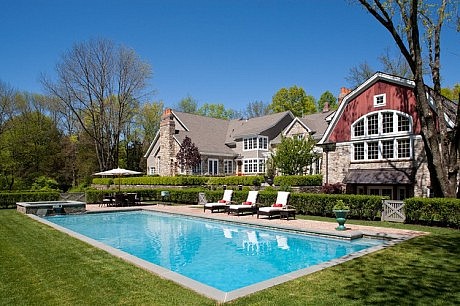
x,y
119,172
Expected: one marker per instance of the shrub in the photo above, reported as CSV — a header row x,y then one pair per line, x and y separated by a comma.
x,y
299,180
9,199
442,211
336,188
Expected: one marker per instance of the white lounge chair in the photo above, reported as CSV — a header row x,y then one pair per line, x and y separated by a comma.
x,y
221,204
250,205
277,208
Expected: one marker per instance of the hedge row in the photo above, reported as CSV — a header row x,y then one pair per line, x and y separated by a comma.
x,y
361,206
439,211
299,180
9,199
236,180
154,180
289,180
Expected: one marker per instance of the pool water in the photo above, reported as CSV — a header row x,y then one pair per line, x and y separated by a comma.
x,y
221,255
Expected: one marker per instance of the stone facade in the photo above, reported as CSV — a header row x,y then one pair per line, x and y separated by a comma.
x,y
167,144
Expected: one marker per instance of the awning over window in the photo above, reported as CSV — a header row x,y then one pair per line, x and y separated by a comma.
x,y
379,176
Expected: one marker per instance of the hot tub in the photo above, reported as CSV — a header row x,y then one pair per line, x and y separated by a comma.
x,y
46,208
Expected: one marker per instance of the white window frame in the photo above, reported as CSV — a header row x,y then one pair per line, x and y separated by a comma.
x,y
255,143
253,165
228,166
213,163
380,100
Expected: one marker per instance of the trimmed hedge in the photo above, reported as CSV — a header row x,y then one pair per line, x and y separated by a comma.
x,y
9,199
288,180
299,180
236,180
154,180
439,211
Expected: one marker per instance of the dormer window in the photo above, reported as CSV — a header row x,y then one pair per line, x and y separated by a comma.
x,y
380,100
254,143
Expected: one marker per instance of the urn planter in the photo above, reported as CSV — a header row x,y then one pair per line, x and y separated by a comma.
x,y
341,218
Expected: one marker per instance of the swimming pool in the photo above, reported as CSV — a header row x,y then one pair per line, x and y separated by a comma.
x,y
222,255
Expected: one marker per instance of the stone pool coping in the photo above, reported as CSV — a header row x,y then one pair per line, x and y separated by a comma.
x,y
311,227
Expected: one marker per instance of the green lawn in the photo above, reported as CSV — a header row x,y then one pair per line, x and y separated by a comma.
x,y
40,265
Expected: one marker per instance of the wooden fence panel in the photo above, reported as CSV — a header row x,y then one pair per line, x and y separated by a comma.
x,y
393,211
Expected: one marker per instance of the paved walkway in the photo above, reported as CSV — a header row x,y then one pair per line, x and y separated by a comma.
x,y
318,227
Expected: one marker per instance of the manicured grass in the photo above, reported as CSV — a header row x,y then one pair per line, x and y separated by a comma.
x,y
40,265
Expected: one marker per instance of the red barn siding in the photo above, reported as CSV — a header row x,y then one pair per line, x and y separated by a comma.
x,y
397,98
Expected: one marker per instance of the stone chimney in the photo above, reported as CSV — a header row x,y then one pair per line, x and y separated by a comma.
x,y
167,143
343,92
326,107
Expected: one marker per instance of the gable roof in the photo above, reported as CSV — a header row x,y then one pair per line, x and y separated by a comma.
x,y
379,76
239,128
317,123
208,134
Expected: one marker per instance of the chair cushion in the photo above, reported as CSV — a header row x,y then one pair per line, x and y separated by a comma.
x,y
247,203
222,201
277,205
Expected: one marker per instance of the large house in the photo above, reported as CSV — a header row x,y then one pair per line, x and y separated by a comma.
x,y
373,143
227,147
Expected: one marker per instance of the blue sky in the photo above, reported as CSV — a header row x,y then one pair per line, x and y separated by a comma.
x,y
221,51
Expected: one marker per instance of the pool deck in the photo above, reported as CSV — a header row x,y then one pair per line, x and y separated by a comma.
x,y
299,225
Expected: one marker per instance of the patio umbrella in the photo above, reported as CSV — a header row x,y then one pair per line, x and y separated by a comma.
x,y
118,172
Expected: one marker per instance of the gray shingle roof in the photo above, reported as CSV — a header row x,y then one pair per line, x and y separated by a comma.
x,y
255,126
208,134
317,123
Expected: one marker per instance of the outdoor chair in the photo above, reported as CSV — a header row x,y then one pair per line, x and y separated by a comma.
x,y
250,205
277,208
120,199
221,204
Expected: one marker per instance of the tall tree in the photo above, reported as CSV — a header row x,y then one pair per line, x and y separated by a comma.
x,y
294,99
293,155
188,155
101,83
327,97
257,109
452,93
188,105
358,74
30,147
217,111
424,21
7,94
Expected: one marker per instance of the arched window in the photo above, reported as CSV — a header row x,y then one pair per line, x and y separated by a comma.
x,y
382,135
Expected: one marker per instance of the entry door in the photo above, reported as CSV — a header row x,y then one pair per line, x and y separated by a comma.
x,y
213,166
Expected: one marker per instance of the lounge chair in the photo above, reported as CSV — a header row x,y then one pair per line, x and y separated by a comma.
x,y
250,205
277,208
221,204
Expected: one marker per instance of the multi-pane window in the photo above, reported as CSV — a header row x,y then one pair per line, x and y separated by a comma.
x,y
228,166
403,147
373,124
403,124
379,100
387,149
254,143
387,122
373,150
358,128
255,165
358,151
